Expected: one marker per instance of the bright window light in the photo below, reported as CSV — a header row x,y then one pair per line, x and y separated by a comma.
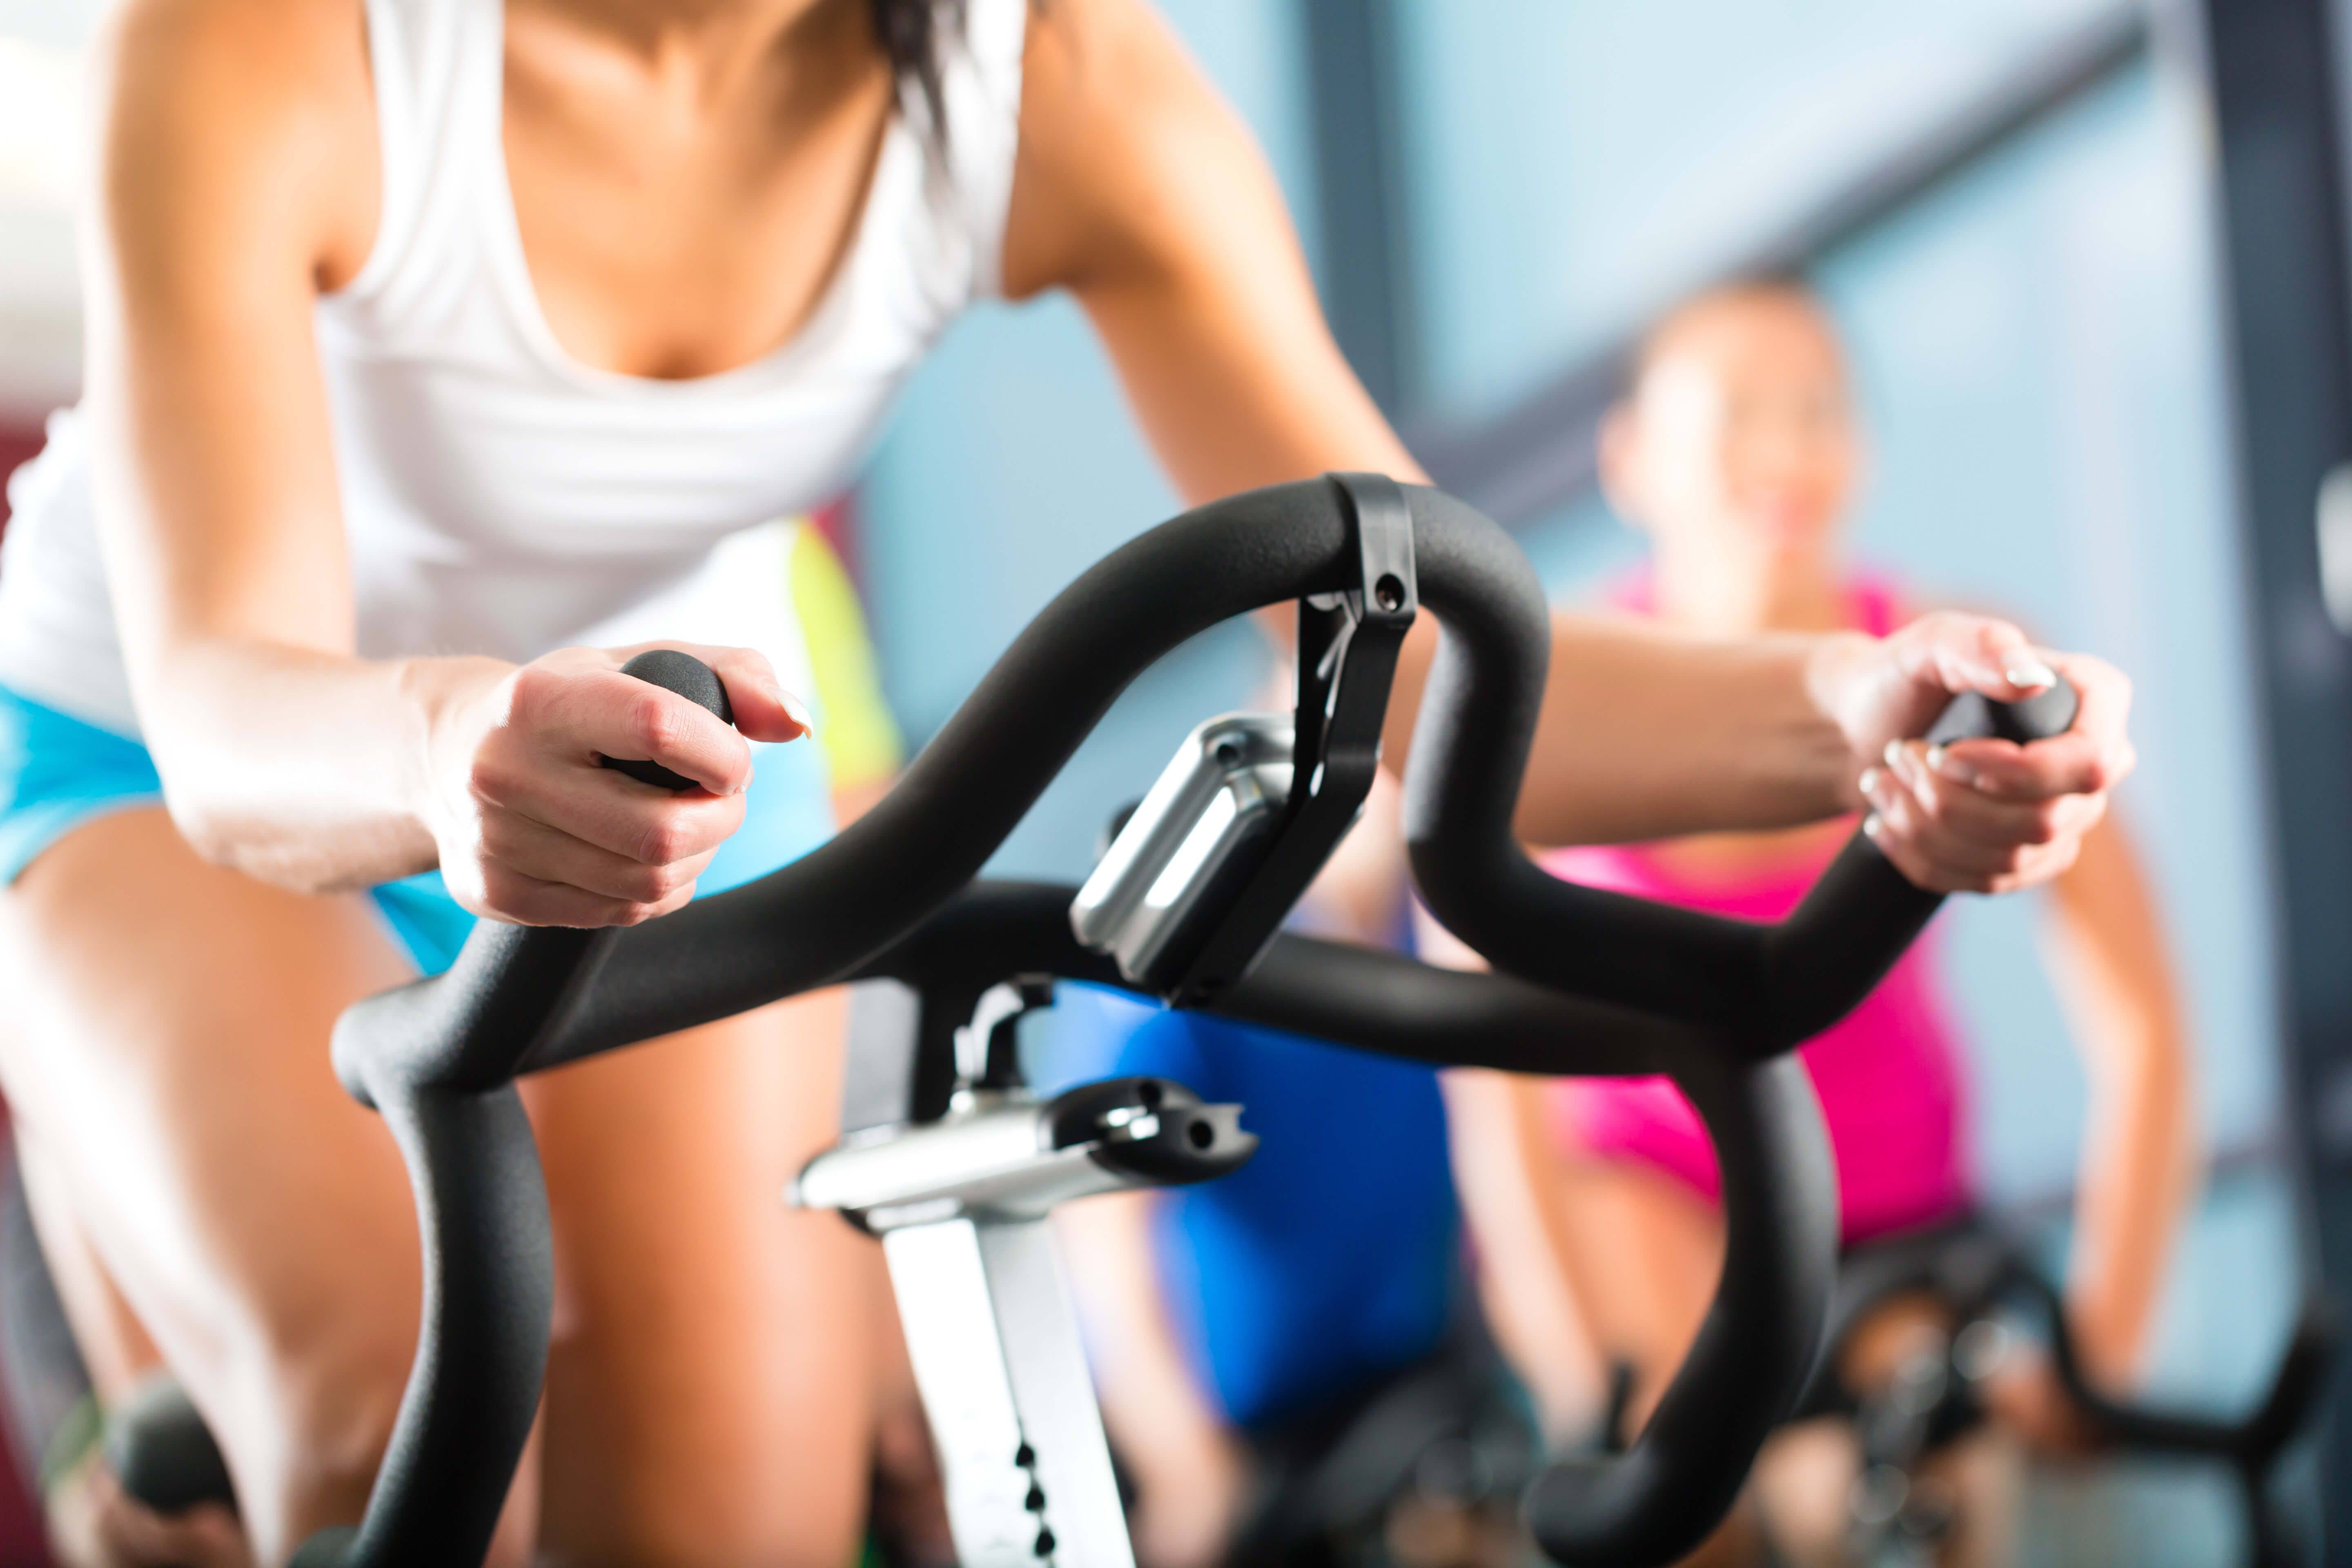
x,y
41,123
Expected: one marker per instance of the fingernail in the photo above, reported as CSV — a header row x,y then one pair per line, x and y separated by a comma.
x,y
2032,673
1869,781
1941,761
1870,826
797,710
1893,754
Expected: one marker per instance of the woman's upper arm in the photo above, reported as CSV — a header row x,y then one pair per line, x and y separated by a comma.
x,y
233,179
1141,189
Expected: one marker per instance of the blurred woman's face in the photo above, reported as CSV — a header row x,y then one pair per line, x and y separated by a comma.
x,y
1739,438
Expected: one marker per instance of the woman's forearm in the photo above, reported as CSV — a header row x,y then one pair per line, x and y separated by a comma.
x,y
2139,1160
1510,1187
305,769
1152,1404
2138,1168
1647,732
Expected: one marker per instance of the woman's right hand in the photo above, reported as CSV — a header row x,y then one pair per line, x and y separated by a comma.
x,y
1979,815
533,830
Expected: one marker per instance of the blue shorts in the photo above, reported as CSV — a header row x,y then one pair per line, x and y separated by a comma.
x,y
58,771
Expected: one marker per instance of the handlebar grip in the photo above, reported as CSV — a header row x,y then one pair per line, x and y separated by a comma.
x,y
1819,962
690,678
1974,716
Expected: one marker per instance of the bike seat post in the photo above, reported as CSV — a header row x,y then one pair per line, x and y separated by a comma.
x,y
962,1205
1002,1371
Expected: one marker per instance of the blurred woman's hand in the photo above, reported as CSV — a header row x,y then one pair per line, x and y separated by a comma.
x,y
533,830
1979,816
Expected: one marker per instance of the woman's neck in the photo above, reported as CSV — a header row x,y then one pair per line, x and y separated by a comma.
x,y
1704,592
716,40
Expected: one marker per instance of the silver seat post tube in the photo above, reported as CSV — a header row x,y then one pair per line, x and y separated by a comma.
x,y
997,1354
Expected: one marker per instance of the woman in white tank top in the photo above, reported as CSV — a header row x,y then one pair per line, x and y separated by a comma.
x,y
439,351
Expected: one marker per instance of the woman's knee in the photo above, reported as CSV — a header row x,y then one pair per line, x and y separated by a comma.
x,y
303,1411
711,1394
304,1421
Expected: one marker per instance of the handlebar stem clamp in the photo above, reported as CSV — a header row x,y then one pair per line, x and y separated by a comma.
x,y
1347,656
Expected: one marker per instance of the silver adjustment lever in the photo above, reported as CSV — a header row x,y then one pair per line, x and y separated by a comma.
x,y
1189,847
961,1205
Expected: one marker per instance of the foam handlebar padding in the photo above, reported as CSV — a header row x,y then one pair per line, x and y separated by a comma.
x,y
690,678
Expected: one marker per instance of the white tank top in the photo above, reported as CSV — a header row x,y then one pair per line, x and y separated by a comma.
x,y
501,498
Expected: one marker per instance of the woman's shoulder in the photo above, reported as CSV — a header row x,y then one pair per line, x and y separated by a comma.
x,y
211,107
1123,142
242,60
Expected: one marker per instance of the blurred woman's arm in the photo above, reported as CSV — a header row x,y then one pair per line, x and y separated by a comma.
x,y
1513,1201
2138,1162
1190,1472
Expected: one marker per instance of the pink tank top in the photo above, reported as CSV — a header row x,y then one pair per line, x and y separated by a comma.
x,y
1888,1074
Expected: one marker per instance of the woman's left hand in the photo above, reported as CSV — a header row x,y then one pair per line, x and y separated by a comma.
x,y
1979,816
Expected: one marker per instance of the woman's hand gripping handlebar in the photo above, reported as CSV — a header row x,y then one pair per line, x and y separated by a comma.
x,y
440,1057
527,824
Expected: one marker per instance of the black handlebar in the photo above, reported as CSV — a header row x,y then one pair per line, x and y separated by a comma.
x,y
1968,1271
1973,1270
1765,987
1649,989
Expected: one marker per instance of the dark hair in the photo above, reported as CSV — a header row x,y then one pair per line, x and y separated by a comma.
x,y
909,31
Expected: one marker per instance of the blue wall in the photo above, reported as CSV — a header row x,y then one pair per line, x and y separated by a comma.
x,y
1575,165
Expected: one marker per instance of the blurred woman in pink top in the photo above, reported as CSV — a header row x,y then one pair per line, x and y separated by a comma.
x,y
1735,450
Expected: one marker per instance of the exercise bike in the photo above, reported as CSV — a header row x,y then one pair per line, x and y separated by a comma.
x,y
1970,1279
1188,907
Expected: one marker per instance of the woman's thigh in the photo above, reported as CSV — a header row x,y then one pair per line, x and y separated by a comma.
x,y
1645,1253
166,1058
710,1396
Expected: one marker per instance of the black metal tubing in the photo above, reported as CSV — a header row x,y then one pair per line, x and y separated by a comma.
x,y
1970,1270
1361,997
434,1055
481,1352
522,1000
1762,987
1658,1499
